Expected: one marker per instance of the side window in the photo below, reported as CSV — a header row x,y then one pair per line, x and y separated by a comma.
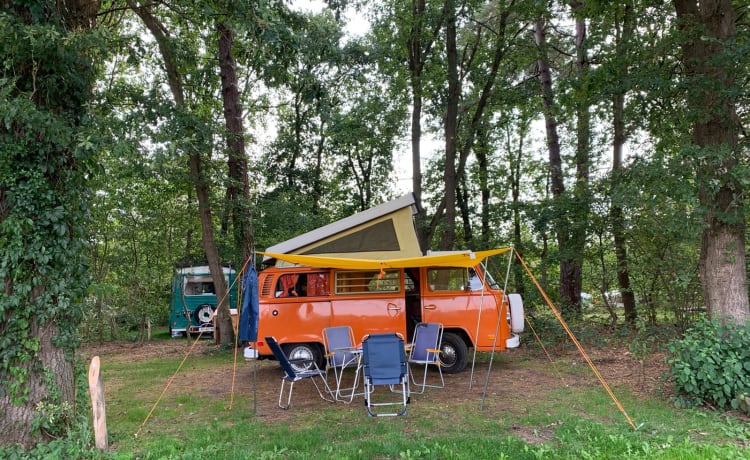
x,y
362,282
447,279
302,285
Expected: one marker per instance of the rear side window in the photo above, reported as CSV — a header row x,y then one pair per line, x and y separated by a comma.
x,y
302,285
367,281
447,279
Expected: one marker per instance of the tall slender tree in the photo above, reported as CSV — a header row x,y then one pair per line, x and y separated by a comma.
x,y
238,187
448,237
623,41
196,163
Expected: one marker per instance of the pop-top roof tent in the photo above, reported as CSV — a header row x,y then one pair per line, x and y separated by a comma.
x,y
386,231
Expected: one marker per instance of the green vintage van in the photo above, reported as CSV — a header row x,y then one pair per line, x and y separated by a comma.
x,y
193,300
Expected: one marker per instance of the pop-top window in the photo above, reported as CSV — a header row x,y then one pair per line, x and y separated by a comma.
x,y
367,281
447,279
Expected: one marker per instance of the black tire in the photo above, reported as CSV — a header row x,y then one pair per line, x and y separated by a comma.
x,y
204,314
454,354
309,352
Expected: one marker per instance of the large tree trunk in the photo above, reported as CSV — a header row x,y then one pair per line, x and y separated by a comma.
x,y
16,422
238,188
708,27
624,32
43,179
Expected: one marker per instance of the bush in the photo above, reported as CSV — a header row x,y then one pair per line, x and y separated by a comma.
x,y
711,365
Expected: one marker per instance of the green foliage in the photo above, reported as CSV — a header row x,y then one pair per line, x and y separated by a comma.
x,y
47,153
711,365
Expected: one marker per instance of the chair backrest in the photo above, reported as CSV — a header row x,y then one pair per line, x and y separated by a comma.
x,y
426,336
384,358
281,357
339,337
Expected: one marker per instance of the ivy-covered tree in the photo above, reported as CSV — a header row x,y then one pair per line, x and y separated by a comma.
x,y
46,78
710,60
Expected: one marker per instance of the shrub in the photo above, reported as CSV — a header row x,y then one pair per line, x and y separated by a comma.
x,y
711,365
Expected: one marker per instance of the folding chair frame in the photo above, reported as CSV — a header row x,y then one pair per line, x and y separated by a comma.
x,y
291,376
341,353
385,367
425,350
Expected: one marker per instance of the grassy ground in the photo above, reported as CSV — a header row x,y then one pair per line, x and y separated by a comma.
x,y
526,406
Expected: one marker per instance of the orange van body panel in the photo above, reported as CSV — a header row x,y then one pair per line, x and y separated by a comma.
x,y
302,319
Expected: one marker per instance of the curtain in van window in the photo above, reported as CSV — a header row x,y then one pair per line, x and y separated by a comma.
x,y
287,285
317,284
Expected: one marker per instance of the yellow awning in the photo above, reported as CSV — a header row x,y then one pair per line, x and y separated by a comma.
x,y
454,259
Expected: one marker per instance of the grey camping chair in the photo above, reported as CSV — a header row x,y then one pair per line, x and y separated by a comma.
x,y
341,352
425,351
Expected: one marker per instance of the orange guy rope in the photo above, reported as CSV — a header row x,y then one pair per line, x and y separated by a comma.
x,y
182,363
575,341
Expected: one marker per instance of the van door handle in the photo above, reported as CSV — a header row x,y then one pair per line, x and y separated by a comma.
x,y
430,307
393,307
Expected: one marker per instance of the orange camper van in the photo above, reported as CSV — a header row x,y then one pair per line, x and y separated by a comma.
x,y
297,302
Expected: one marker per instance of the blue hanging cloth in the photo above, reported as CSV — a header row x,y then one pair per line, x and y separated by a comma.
x,y
249,316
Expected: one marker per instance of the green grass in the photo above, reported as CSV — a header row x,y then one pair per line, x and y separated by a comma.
x,y
193,421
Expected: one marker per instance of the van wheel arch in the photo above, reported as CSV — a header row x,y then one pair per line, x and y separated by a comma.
x,y
454,352
306,350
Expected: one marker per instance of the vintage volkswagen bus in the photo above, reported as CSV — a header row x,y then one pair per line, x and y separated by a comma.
x,y
297,302
193,300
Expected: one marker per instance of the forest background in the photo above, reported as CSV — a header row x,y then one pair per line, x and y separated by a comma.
x,y
603,140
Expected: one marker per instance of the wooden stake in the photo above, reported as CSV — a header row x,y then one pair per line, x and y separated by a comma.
x,y
96,388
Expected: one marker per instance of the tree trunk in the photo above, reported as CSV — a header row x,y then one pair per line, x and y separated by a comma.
x,y
708,26
569,270
579,218
482,154
514,175
238,188
419,48
448,237
416,64
44,274
624,34
195,162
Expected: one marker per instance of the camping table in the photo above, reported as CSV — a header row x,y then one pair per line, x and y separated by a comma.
x,y
357,353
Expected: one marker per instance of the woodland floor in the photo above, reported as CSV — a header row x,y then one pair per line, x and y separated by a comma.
x,y
527,371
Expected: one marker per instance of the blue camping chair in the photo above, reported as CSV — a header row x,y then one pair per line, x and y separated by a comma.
x,y
291,375
425,350
341,352
384,363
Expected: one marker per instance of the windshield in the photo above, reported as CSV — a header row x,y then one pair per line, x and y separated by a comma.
x,y
488,277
